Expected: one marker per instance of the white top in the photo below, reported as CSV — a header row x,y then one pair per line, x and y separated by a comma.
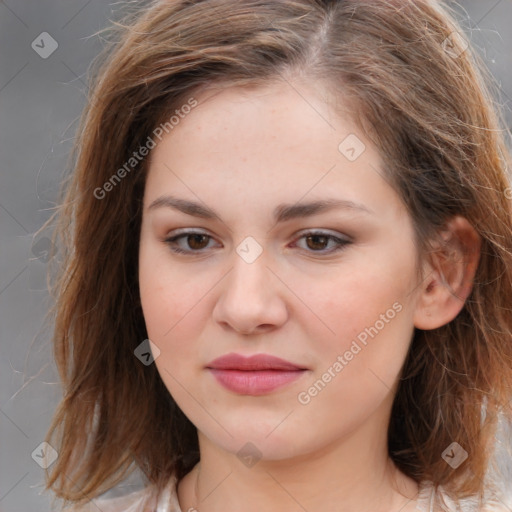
x,y
146,500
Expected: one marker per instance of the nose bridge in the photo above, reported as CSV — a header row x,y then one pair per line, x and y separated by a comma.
x,y
250,295
250,272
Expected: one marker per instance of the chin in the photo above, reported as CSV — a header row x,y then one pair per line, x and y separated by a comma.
x,y
263,441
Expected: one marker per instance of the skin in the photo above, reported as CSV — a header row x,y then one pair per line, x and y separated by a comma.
x,y
242,153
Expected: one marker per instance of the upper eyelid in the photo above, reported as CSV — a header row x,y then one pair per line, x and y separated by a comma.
x,y
302,232
321,231
339,238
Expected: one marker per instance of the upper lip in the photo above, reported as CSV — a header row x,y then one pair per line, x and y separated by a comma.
x,y
252,363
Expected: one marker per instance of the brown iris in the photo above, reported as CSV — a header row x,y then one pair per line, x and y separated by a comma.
x,y
324,240
194,241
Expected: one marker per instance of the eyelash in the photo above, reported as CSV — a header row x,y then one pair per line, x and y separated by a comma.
x,y
341,243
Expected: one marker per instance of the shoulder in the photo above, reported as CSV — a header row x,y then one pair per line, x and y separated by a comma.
x,y
438,500
144,500
148,499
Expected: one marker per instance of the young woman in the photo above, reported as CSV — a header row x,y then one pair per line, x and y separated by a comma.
x,y
287,281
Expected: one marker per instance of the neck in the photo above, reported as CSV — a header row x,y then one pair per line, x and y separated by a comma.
x,y
346,475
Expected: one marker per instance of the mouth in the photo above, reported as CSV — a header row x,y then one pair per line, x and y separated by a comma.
x,y
255,375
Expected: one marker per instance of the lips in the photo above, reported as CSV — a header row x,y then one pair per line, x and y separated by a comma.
x,y
252,363
255,375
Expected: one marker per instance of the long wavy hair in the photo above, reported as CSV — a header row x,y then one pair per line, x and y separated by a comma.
x,y
424,100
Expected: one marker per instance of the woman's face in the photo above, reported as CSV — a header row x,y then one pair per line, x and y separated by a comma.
x,y
294,247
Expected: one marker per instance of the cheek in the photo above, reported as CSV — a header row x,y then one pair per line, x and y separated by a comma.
x,y
164,300
172,324
167,293
171,315
175,306
357,368
370,318
348,303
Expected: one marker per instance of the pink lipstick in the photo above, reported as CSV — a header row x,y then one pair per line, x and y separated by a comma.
x,y
255,375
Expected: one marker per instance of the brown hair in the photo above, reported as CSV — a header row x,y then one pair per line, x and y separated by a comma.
x,y
429,112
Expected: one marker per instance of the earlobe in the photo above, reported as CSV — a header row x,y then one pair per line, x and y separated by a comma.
x,y
448,275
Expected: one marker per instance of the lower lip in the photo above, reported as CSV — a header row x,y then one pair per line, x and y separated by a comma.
x,y
255,383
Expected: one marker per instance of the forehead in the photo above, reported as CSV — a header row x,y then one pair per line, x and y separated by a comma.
x,y
270,125
273,144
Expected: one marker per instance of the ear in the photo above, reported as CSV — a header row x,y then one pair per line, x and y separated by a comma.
x,y
448,275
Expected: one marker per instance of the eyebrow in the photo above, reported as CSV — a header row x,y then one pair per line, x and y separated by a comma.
x,y
282,212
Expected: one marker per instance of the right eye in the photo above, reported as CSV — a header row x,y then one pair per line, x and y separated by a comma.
x,y
188,242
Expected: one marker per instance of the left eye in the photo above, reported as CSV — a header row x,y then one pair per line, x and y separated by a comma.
x,y
316,241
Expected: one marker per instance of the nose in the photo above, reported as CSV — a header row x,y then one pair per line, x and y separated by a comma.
x,y
251,299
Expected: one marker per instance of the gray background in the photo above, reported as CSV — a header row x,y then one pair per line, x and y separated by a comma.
x,y
40,101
